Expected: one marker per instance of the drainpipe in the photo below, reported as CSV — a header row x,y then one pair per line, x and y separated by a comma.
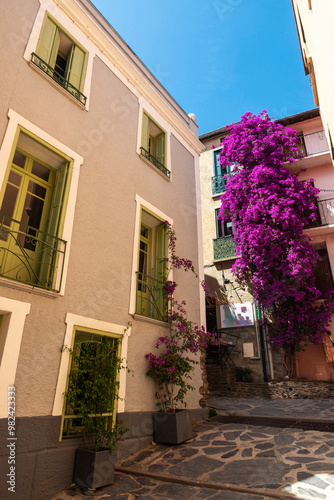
x,y
262,343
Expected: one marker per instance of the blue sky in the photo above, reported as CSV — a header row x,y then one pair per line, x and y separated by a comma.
x,y
218,58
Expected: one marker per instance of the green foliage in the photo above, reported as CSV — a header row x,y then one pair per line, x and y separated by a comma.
x,y
244,374
92,391
212,412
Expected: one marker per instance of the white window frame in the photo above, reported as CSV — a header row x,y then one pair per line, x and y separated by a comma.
x,y
75,322
63,21
15,121
165,127
14,314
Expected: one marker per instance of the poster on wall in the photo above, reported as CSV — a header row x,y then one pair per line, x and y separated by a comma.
x,y
233,315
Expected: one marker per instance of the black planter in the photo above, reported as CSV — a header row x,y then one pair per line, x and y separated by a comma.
x,y
172,428
93,469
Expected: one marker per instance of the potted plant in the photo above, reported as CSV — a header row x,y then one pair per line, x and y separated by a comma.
x,y
171,368
244,374
91,396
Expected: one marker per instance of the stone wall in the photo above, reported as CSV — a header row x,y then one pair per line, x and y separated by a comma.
x,y
222,383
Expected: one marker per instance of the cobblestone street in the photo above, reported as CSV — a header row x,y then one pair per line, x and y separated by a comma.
x,y
233,461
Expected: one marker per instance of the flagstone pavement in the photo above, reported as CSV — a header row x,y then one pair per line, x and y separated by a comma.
x,y
233,461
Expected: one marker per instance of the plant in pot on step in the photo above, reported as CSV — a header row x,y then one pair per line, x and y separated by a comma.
x,y
244,374
171,367
91,396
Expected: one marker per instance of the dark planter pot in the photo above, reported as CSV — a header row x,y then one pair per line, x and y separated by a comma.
x,y
93,469
172,428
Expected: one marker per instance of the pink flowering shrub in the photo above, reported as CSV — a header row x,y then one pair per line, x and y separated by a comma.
x,y
269,208
170,368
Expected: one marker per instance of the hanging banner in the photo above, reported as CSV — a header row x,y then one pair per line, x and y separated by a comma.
x,y
235,315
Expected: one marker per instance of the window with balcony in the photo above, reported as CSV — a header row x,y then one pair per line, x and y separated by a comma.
x,y
32,207
87,348
221,175
151,299
223,244
61,58
153,144
223,228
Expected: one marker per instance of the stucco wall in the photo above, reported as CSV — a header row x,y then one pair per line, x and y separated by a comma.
x,y
317,25
100,267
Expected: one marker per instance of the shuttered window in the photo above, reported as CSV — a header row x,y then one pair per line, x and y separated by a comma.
x,y
153,144
152,271
61,58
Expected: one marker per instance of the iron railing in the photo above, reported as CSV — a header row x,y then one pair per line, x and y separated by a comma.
x,y
325,214
218,183
155,162
224,247
311,144
152,298
58,78
315,143
31,256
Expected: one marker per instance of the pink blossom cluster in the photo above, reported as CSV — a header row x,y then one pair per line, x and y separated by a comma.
x,y
269,208
169,287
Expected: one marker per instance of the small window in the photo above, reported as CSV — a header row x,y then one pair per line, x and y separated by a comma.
x,y
61,58
153,144
151,275
223,228
221,174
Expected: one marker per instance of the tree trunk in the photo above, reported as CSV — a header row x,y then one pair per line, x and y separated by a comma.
x,y
289,364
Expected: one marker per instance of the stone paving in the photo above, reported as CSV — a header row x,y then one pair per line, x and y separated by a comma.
x,y
298,408
228,462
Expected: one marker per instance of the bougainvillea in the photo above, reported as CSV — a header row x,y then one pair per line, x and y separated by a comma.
x,y
171,367
269,208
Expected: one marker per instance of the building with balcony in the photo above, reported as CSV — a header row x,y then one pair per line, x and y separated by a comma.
x,y
315,22
238,323
95,155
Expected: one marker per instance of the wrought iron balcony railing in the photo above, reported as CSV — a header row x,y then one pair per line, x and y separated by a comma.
x,y
312,144
315,143
224,248
151,298
155,162
325,214
30,256
58,78
218,183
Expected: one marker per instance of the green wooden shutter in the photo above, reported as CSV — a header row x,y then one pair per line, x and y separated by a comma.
x,y
56,217
75,68
144,132
160,298
160,253
48,43
160,148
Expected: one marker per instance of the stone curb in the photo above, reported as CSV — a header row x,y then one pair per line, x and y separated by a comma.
x,y
204,484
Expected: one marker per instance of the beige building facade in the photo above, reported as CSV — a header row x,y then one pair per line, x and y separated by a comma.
x,y
94,156
237,322
315,22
